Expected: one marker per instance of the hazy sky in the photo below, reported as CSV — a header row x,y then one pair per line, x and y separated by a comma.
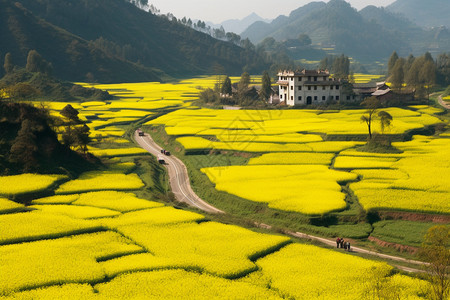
x,y
218,11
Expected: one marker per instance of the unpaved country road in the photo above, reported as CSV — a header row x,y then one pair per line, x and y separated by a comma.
x,y
178,176
443,103
181,187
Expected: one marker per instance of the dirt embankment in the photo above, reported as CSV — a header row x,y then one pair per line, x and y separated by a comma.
x,y
418,217
398,247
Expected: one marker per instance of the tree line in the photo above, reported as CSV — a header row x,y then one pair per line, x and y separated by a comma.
x,y
419,73
239,93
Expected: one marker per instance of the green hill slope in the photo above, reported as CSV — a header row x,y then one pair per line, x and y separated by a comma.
x,y
428,13
73,58
115,30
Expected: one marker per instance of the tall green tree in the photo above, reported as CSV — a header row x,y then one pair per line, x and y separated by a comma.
x,y
397,75
226,87
408,64
436,251
443,69
266,88
8,65
76,133
392,60
24,150
427,76
36,63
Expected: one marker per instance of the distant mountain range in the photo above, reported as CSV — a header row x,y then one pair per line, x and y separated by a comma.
x,y
370,34
238,26
429,13
112,41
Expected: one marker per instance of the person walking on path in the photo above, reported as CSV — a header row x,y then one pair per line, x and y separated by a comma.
x,y
338,242
348,246
342,243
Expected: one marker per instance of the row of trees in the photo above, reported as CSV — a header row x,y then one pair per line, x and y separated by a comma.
x,y
241,93
35,64
419,73
338,65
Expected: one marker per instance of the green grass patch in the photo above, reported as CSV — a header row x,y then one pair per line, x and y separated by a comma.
x,y
407,233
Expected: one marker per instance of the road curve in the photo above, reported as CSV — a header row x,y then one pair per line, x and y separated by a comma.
x,y
178,176
181,187
443,103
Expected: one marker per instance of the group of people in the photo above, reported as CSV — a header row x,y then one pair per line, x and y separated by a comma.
x,y
340,243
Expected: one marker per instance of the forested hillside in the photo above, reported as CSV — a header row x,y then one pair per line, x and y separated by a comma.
x,y
112,40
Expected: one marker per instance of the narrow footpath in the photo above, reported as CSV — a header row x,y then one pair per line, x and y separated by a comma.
x,y
181,187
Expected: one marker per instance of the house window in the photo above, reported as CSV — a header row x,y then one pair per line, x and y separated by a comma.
x,y
315,78
292,97
281,97
309,78
337,87
309,88
299,79
292,88
324,98
299,98
324,78
315,87
292,78
337,98
324,88
315,98
348,97
299,88
331,87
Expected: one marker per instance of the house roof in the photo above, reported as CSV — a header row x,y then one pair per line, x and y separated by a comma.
x,y
381,92
305,73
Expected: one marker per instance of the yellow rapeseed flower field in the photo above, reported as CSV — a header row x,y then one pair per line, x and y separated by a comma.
x,y
100,181
27,183
72,259
353,162
154,216
118,201
308,189
293,158
117,152
316,273
179,284
8,206
222,250
58,199
35,225
77,212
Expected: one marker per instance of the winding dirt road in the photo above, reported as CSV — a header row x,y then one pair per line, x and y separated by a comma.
x,y
181,187
178,176
443,103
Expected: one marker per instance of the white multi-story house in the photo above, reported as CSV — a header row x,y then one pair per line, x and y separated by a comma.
x,y
308,87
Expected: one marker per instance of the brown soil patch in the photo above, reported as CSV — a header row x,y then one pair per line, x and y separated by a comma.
x,y
398,247
418,217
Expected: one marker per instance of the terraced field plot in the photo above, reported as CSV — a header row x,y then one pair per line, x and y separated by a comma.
x,y
295,138
68,249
